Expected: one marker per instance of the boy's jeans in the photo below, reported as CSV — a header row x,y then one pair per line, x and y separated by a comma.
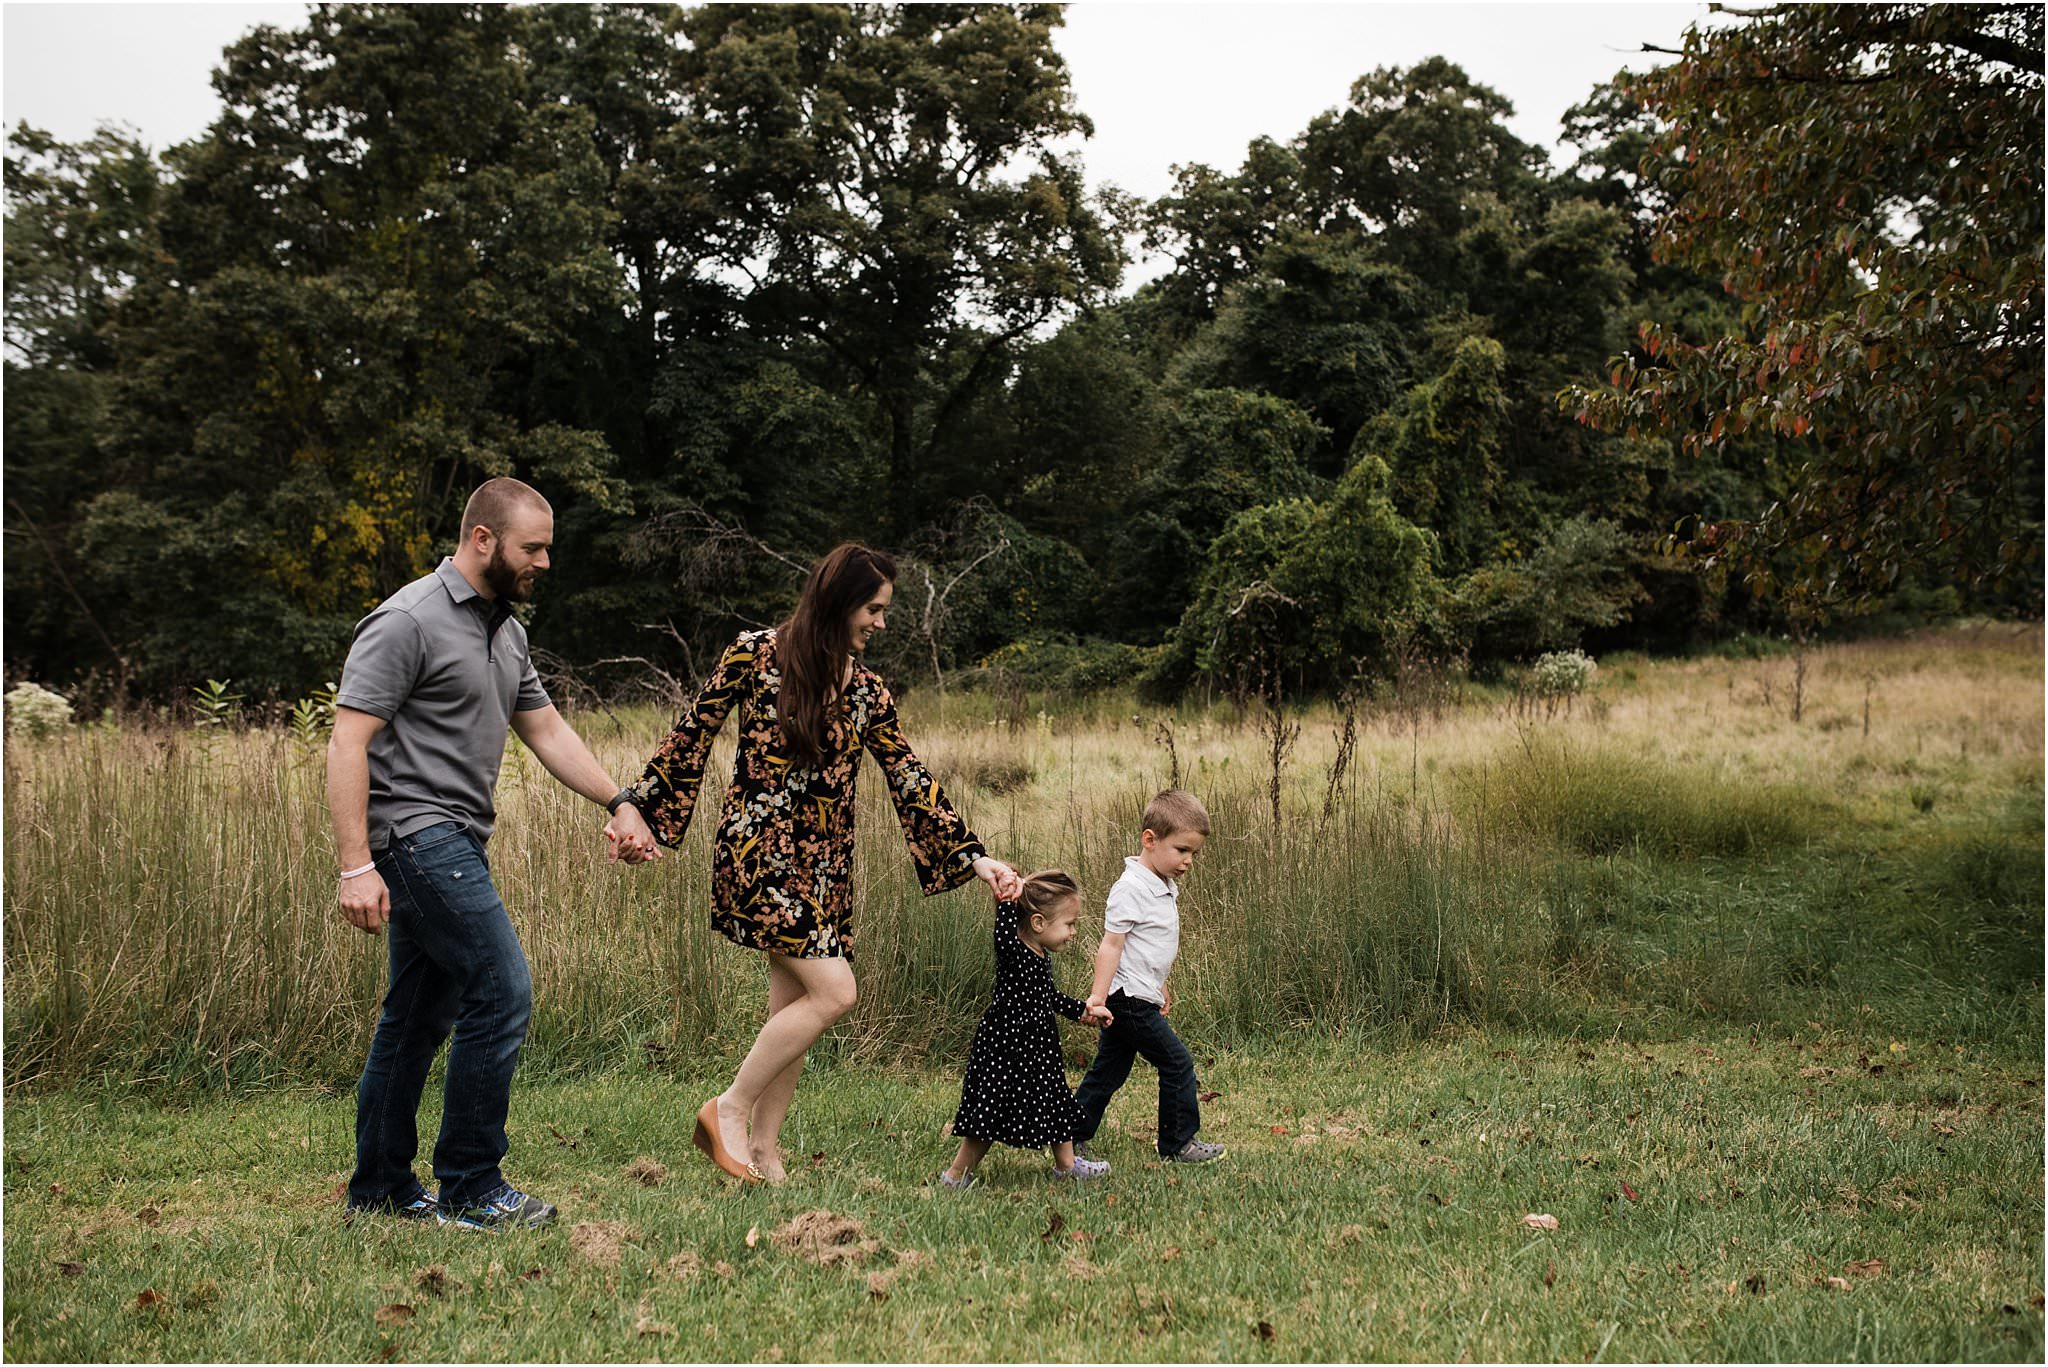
x,y
1141,1029
455,963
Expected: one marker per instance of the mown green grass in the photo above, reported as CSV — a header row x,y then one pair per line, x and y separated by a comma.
x,y
1369,1208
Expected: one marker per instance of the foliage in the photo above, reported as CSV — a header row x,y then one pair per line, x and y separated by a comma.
x,y
1559,673
1577,579
1866,179
36,712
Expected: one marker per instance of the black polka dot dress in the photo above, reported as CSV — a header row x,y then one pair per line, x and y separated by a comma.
x,y
1016,1088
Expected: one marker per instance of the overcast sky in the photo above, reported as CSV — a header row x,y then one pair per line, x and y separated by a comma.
x,y
1165,83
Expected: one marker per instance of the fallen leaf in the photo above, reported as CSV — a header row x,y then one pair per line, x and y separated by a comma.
x,y
1540,1221
1629,1192
1082,1236
753,1235
1838,1283
818,1159
1279,1129
1265,1330
562,1139
1944,1129
434,1280
150,1299
394,1314
1109,1200
56,1188
1055,1222
1550,1275
70,1269
1172,1252
1206,1097
1755,1282
1866,1267
150,1215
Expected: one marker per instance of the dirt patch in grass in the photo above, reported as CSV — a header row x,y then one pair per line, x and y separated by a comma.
x,y
601,1241
647,1171
826,1239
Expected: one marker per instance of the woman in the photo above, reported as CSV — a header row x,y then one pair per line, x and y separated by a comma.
x,y
782,864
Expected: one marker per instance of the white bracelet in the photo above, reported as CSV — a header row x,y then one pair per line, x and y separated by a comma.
x,y
370,867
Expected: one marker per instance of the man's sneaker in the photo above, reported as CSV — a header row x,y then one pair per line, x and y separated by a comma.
x,y
420,1207
1195,1151
946,1179
1084,1170
502,1209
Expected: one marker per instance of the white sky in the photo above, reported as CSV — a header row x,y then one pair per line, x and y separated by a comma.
x,y
1165,82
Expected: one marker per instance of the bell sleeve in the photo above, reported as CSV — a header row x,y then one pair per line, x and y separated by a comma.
x,y
667,791
941,846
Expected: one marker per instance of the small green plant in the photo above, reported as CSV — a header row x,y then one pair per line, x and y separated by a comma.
x,y
36,712
312,717
213,706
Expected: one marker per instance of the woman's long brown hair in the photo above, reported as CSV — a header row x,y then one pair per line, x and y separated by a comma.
x,y
811,647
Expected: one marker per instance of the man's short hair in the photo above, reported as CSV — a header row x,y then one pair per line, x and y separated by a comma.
x,y
496,502
1176,810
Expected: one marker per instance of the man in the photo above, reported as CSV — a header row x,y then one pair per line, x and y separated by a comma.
x,y
433,679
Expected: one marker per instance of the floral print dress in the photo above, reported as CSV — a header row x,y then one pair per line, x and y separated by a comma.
x,y
782,862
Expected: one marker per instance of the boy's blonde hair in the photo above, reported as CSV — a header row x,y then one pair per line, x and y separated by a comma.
x,y
1045,890
1176,810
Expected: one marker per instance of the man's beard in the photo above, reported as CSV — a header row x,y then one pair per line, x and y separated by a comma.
x,y
504,580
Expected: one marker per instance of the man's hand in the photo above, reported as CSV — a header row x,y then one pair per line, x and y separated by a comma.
x,y
366,902
632,842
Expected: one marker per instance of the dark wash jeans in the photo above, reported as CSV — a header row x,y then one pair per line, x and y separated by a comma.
x,y
1141,1030
456,965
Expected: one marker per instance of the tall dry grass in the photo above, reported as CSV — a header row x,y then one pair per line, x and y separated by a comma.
x,y
169,906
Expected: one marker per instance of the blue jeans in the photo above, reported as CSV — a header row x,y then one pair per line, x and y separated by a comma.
x,y
456,965
1141,1030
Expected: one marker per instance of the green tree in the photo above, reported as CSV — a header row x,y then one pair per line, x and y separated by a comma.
x,y
873,150
1868,182
1442,443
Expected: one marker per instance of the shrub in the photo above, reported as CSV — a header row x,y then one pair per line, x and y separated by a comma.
x,y
36,712
1561,673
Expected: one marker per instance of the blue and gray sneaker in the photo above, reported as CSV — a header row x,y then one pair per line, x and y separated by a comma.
x,y
504,1208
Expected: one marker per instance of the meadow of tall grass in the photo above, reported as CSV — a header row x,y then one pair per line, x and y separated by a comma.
x,y
1672,848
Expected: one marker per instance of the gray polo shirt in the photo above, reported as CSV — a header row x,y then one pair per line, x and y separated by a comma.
x,y
446,667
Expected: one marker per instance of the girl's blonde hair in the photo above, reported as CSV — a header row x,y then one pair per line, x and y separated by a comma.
x,y
1045,890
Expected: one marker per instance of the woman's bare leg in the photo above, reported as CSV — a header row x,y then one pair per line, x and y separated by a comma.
x,y
764,1126
828,994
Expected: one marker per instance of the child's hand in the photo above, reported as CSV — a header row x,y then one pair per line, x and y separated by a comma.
x,y
1098,1016
1166,1006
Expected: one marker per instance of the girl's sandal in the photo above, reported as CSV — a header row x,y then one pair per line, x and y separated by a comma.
x,y
707,1139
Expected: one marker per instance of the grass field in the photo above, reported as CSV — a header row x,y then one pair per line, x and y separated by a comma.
x,y
1747,1004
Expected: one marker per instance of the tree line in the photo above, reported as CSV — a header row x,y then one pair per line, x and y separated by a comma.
x,y
732,283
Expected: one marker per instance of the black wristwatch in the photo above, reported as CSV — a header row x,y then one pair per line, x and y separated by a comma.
x,y
620,799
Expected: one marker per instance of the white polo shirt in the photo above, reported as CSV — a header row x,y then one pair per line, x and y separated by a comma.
x,y
1145,909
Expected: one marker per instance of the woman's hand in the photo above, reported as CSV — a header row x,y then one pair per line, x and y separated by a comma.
x,y
1001,878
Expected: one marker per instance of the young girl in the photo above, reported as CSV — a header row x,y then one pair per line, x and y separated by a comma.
x,y
1016,1087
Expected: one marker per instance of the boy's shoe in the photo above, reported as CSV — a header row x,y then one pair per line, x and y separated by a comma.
x,y
504,1208
1195,1151
946,1179
1084,1170
1081,1150
421,1207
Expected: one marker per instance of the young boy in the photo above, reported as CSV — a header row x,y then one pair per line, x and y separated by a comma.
x,y
1141,936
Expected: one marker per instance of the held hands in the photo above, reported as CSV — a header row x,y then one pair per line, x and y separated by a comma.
x,y
629,838
365,901
1096,1014
1003,880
